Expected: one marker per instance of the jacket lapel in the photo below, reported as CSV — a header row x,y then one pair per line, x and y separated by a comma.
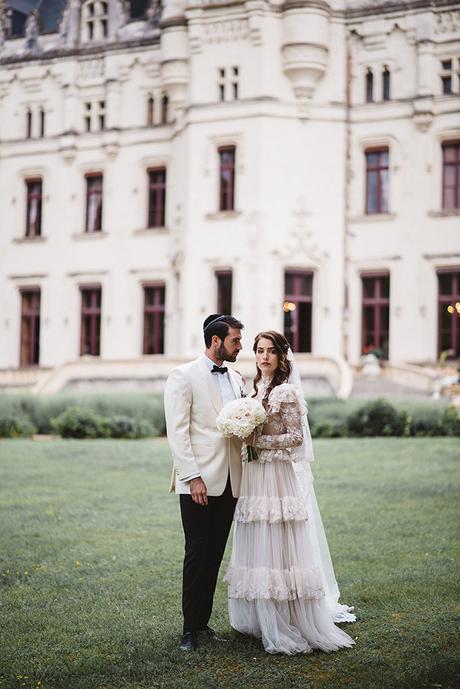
x,y
212,387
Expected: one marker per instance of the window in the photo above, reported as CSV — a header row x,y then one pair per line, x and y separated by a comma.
x,y
157,197
93,203
33,207
449,311
377,180
451,175
94,20
376,313
29,123
94,116
87,116
386,84
235,82
164,109
227,178
138,8
221,84
150,111
447,77
101,114
90,335
227,83
369,86
297,307
42,123
154,319
224,291
30,326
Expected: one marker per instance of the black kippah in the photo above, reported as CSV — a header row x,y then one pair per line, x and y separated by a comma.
x,y
213,318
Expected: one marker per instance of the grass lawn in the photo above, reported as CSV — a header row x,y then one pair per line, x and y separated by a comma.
x,y
90,571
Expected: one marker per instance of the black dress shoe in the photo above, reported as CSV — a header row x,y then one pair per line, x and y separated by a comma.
x,y
188,642
211,634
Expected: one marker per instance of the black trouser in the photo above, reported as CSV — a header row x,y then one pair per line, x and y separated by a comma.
x,y
206,531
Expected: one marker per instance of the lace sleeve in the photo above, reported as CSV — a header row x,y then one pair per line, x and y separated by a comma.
x,y
284,400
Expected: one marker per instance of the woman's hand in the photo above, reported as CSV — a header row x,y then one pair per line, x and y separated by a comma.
x,y
250,439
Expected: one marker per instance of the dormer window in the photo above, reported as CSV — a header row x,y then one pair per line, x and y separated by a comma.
x,y
95,18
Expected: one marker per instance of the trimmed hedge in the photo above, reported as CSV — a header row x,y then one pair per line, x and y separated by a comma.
x,y
138,415
40,411
78,422
378,418
15,427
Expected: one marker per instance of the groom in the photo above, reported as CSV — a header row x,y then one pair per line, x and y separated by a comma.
x,y
207,466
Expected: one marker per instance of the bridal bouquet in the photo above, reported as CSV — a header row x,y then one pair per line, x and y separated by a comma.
x,y
240,417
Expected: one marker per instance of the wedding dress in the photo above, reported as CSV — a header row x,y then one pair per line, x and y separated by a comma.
x,y
280,577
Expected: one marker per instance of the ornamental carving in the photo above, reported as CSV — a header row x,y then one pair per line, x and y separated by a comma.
x,y
220,32
448,22
91,69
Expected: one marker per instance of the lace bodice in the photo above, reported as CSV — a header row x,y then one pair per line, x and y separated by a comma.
x,y
283,429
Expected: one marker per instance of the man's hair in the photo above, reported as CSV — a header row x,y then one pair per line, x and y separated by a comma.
x,y
215,324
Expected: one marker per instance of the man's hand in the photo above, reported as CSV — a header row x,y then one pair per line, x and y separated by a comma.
x,y
198,491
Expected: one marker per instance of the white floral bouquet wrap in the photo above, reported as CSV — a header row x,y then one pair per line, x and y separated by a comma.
x,y
239,418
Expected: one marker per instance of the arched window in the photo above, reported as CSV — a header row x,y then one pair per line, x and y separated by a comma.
x,y
386,83
369,86
42,122
95,17
29,123
164,109
150,111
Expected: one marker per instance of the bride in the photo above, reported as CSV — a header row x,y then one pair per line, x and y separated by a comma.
x,y
280,578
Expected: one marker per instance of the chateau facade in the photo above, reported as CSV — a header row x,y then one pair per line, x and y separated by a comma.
x,y
296,163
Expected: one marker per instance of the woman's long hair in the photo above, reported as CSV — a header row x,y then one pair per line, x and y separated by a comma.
x,y
283,371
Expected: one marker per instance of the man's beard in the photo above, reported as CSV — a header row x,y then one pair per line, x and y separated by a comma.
x,y
225,355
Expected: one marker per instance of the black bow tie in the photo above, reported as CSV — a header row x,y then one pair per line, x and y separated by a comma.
x,y
219,369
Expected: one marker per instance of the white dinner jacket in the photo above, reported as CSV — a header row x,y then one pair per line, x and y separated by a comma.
x,y
192,402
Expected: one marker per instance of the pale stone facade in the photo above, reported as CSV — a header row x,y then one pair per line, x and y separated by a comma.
x,y
300,125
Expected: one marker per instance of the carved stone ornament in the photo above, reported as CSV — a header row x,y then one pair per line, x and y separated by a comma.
x,y
32,32
4,23
154,12
304,65
447,22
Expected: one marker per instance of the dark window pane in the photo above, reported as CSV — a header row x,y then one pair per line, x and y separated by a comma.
x,y
385,286
304,327
224,292
30,328
368,287
386,84
446,85
154,313
446,283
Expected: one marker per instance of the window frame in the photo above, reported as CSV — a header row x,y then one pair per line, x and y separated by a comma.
x,y
379,168
378,302
88,193
33,316
94,312
226,201
224,292
37,232
160,187
442,300
450,143
296,297
155,312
